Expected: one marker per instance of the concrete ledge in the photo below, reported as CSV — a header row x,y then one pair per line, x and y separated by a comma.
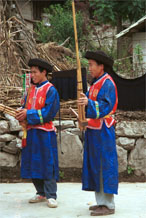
x,y
72,201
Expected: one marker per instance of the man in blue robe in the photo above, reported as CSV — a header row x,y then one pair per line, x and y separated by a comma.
x,y
40,155
100,164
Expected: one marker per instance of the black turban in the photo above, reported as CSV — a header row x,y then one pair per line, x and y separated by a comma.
x,y
40,63
100,56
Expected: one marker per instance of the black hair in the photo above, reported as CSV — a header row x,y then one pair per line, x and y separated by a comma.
x,y
98,62
41,69
106,67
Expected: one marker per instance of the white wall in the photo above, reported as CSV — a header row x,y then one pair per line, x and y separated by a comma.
x,y
139,39
27,10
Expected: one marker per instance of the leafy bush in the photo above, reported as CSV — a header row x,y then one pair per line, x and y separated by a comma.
x,y
130,170
109,12
61,25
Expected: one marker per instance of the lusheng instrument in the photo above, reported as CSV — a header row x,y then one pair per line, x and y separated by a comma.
x,y
81,108
8,110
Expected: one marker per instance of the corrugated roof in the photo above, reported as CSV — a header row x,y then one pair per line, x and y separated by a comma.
x,y
130,29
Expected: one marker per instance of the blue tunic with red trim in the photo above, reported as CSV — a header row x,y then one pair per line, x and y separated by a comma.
x,y
40,156
100,145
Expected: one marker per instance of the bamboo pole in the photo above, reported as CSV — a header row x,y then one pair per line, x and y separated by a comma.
x,y
8,110
81,109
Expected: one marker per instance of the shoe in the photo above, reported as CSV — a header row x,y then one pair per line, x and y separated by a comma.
x,y
37,199
94,207
52,203
102,211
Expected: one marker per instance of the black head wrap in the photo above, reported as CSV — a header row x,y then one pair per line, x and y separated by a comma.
x,y
100,57
37,62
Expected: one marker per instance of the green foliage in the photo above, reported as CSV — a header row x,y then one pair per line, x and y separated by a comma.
x,y
138,59
84,62
71,60
139,54
107,11
43,32
61,20
124,67
130,170
61,174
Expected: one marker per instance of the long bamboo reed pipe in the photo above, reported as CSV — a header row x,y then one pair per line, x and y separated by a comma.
x,y
8,110
81,108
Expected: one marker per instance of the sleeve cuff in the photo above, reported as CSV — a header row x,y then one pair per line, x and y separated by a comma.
x,y
97,109
40,116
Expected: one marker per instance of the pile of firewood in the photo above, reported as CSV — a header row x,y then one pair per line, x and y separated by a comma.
x,y
65,112
57,55
17,46
7,110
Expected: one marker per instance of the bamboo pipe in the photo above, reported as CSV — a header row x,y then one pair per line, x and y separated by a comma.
x,y
81,109
8,110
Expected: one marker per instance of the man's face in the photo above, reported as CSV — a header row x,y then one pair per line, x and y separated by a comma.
x,y
95,69
37,76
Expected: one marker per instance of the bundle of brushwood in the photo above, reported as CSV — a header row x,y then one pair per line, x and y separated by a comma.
x,y
11,96
60,57
17,46
7,110
65,112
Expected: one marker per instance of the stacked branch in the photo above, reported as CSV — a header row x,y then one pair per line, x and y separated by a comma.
x,y
17,46
57,55
8,110
65,112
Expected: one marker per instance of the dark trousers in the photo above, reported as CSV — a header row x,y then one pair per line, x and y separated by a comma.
x,y
46,188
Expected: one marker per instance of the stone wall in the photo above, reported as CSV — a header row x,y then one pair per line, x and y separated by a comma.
x,y
130,140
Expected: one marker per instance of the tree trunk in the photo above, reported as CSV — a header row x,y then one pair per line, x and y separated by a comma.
x,y
119,40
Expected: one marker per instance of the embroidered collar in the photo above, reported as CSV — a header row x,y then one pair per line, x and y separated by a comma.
x,y
41,84
95,80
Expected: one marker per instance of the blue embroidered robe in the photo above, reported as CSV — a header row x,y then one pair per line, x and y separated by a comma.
x,y
40,156
100,145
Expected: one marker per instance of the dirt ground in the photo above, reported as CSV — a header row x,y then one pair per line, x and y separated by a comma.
x,y
12,175
130,115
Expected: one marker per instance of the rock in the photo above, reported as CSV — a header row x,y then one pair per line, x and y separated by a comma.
x,y
14,124
12,143
75,131
137,158
64,124
18,143
20,134
2,144
122,159
131,128
8,160
76,124
4,127
72,151
7,137
11,147
125,143
10,150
